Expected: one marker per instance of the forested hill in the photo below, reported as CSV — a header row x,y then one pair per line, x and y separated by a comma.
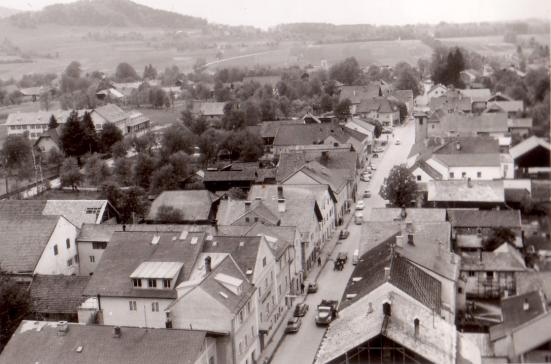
x,y
123,13
5,12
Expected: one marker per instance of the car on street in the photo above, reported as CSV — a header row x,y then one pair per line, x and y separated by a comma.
x,y
367,194
300,309
386,130
374,155
373,167
358,218
365,178
342,256
293,325
378,150
312,287
360,205
344,234
397,142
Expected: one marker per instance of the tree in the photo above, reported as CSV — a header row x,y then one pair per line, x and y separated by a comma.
x,y
326,103
123,171
15,305
342,109
347,71
109,135
209,144
403,110
237,194
408,80
46,100
378,128
169,214
55,158
497,237
118,149
16,157
180,163
96,171
149,72
175,139
133,205
126,73
90,139
446,66
143,169
70,174
399,188
164,179
252,146
53,124
72,136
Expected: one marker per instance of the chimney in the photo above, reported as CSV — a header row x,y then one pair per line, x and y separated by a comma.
x,y
62,328
208,267
416,325
247,205
281,204
123,227
116,332
469,183
410,239
387,273
399,242
525,305
458,146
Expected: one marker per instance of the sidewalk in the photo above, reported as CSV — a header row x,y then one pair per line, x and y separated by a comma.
x,y
326,252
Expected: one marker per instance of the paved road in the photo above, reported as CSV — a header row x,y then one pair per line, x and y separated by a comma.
x,y
302,346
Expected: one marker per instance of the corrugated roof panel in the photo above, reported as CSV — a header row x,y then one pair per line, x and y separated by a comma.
x,y
159,270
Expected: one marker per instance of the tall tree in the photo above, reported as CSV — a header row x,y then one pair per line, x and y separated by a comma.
x,y
109,135
143,169
15,305
126,73
342,109
123,171
16,157
149,72
347,71
72,136
96,170
90,139
53,124
399,188
164,179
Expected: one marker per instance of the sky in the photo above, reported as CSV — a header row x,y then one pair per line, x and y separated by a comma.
x,y
267,13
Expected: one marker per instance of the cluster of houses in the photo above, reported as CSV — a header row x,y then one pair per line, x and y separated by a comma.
x,y
463,277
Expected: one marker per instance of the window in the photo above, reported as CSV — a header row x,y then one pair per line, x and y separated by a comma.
x,y
264,261
489,275
479,174
451,175
241,316
97,245
166,283
418,177
92,259
93,210
155,306
132,305
463,174
459,290
137,282
70,262
256,219
77,259
246,219
152,283
68,243
471,274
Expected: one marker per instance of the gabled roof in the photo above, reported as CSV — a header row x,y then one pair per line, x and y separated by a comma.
x,y
462,191
480,94
520,123
473,124
195,205
308,134
39,342
290,163
243,249
498,96
528,145
24,238
358,93
506,106
468,145
469,160
503,259
50,134
446,103
434,87
484,218
427,168
112,113
57,294
514,312
376,104
208,108
335,178
127,250
229,211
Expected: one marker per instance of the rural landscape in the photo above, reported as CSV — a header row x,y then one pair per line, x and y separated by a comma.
x,y
305,192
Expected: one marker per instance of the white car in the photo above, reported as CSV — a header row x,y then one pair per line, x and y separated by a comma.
x,y
373,167
397,142
360,205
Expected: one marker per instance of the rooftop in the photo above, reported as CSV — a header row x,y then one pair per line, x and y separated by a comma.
x,y
308,134
229,211
469,124
376,104
415,215
464,191
481,94
503,259
528,145
243,249
57,294
112,113
357,93
39,342
195,205
484,218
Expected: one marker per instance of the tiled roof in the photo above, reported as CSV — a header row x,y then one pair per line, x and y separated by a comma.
x,y
468,145
39,342
446,103
97,232
112,275
508,260
243,249
308,134
335,178
484,218
481,94
24,238
528,145
377,104
57,294
520,123
469,160
217,176
468,124
229,211
358,93
51,134
534,281
459,190
506,106
77,211
415,215
209,108
513,313
403,274
427,168
289,163
112,113
195,205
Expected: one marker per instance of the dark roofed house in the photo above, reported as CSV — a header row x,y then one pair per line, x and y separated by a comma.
x,y
405,96
212,111
531,155
492,124
57,297
379,108
358,93
196,206
48,140
48,342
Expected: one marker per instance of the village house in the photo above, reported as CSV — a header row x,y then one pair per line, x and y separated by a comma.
x,y
136,279
211,111
479,98
451,102
65,343
503,103
218,298
358,93
531,158
195,206
381,109
390,309
456,124
49,140
484,194
471,228
436,91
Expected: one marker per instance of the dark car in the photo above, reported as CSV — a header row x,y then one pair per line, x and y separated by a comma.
x,y
312,287
300,310
344,234
293,325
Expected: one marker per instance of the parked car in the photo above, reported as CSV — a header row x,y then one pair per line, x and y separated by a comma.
x,y
373,167
367,194
378,150
397,142
300,309
360,205
358,218
374,155
386,130
312,287
293,325
365,178
342,256
344,234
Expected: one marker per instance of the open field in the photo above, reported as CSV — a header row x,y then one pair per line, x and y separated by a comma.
x,y
162,116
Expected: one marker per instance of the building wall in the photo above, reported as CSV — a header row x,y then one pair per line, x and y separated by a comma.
x,y
480,284
116,311
487,173
250,219
50,263
209,353
34,130
246,332
89,257
421,176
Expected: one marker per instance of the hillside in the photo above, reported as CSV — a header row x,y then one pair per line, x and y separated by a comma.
x,y
120,13
6,12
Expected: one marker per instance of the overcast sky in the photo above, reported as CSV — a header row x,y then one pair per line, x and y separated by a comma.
x,y
266,13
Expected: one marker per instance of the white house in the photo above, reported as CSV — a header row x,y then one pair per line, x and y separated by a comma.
x,y
436,91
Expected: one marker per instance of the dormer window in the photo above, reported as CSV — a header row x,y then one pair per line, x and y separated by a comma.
x,y
151,272
152,283
137,282
166,283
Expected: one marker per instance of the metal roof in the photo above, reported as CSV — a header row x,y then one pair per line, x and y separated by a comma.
x,y
157,270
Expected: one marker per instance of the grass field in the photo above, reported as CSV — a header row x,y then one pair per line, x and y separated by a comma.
x,y
493,45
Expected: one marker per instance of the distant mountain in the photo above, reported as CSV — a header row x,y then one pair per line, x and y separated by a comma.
x,y
6,12
124,13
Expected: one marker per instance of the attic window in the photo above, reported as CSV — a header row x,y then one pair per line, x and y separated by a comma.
x,y
93,210
249,271
183,235
241,244
356,279
194,240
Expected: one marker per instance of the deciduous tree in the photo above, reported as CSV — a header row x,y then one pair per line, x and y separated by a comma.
x,y
70,173
15,305
109,135
96,170
400,187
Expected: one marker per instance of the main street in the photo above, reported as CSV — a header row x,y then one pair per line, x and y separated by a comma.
x,y
302,346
